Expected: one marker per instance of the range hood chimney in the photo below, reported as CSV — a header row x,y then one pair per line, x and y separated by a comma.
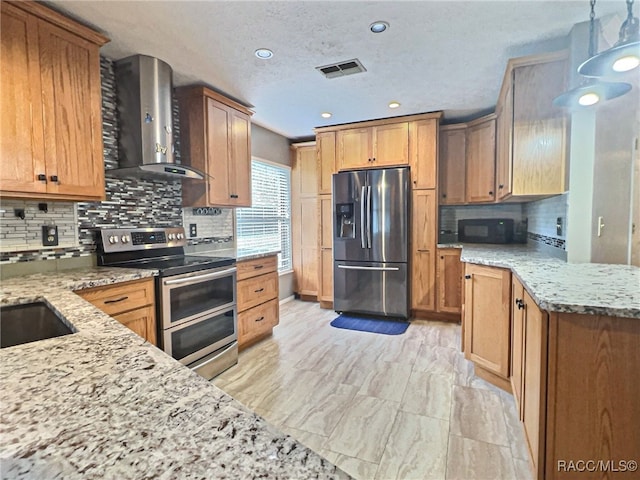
x,y
144,101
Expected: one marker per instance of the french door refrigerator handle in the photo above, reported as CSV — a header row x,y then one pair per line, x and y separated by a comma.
x,y
377,269
363,238
369,216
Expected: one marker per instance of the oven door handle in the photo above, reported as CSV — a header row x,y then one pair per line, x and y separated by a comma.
x,y
198,278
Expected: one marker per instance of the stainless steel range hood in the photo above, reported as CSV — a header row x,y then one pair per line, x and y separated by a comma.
x,y
144,101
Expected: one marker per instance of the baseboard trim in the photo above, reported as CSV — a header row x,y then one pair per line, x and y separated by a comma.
x,y
287,299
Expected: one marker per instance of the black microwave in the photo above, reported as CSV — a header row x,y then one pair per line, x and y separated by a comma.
x,y
485,230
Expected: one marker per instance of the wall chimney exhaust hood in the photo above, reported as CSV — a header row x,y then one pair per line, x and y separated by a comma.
x,y
144,101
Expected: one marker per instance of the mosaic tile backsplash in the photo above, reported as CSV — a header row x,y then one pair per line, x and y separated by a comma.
x,y
129,203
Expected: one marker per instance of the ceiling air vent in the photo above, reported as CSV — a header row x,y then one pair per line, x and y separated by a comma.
x,y
340,69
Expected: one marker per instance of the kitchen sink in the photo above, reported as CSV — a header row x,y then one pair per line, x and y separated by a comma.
x,y
29,323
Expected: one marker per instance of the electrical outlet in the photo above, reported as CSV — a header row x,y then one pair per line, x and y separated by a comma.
x,y
49,235
559,226
193,230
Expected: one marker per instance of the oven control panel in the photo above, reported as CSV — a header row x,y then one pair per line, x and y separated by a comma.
x,y
129,239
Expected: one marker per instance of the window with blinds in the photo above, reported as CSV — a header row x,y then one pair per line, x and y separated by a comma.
x,y
266,226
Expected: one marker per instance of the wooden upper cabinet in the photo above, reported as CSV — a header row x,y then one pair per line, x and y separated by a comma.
x,y
481,160
51,139
216,139
378,146
326,151
355,148
453,151
240,159
504,135
531,143
391,144
539,128
423,153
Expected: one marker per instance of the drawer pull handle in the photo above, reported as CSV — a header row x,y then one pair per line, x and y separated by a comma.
x,y
259,319
467,277
116,300
259,290
258,267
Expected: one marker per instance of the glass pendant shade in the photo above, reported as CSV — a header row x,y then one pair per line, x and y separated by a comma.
x,y
591,94
622,57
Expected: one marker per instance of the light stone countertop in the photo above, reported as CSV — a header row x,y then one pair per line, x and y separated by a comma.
x,y
558,286
252,256
103,403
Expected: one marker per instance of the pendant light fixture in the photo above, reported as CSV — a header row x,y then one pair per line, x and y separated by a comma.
x,y
623,56
591,91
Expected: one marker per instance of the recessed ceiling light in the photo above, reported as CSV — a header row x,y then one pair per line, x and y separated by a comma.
x,y
264,53
325,114
394,104
379,26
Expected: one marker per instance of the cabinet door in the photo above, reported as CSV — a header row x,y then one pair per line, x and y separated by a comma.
x,y
304,220
453,147
21,137
487,317
423,153
71,102
504,128
218,152
325,280
423,250
539,129
534,379
449,280
142,321
355,148
326,150
391,144
240,159
481,162
517,339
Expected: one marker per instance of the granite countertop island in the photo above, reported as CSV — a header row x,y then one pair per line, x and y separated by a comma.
x,y
558,286
104,403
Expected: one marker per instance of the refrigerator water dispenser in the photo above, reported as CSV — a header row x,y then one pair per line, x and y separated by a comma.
x,y
346,225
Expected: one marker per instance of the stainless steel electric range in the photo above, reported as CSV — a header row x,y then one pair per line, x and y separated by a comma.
x,y
195,296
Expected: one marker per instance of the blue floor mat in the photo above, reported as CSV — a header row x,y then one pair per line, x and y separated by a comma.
x,y
373,325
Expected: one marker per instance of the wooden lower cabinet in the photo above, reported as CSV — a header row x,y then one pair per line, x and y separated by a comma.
x,y
487,321
258,321
423,252
534,371
517,340
576,381
449,281
141,321
257,299
131,303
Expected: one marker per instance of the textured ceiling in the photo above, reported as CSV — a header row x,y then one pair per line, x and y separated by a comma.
x,y
446,55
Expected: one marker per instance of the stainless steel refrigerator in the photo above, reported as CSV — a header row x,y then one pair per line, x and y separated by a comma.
x,y
370,242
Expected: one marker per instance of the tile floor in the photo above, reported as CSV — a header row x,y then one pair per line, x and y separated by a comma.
x,y
379,406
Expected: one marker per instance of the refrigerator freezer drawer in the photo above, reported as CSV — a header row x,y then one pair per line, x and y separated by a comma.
x,y
371,288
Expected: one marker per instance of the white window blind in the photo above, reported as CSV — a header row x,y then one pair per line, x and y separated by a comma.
x,y
266,226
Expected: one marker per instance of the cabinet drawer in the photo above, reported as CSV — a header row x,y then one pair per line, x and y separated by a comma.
x,y
257,290
259,266
121,297
257,321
